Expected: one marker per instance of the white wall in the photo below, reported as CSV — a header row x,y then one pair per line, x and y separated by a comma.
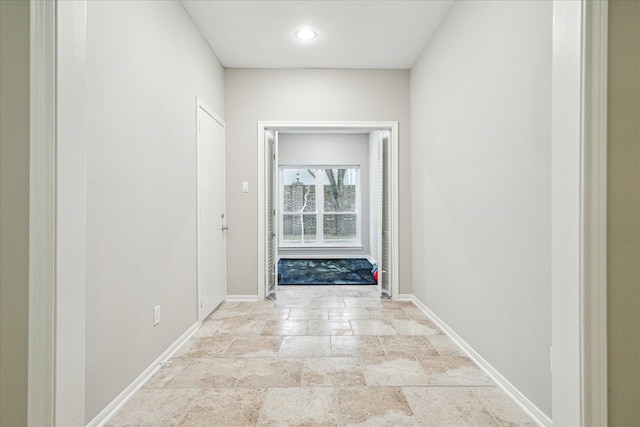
x,y
14,211
288,95
330,149
480,168
146,65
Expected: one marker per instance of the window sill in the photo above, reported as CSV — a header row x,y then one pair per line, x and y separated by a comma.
x,y
320,247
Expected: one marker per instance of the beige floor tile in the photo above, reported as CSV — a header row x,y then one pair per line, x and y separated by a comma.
x,y
373,406
447,406
299,406
262,305
454,371
312,291
262,346
387,313
362,302
349,313
205,347
287,292
369,292
209,372
332,301
329,327
232,326
208,328
292,301
373,327
394,304
356,346
305,346
308,314
269,313
229,304
415,327
285,327
344,292
359,313
271,372
154,408
446,346
503,409
411,346
332,371
229,313
394,371
167,372
226,407
286,362
413,311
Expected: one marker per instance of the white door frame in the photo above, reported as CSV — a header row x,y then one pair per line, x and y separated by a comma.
x,y
578,214
390,126
42,213
57,236
578,208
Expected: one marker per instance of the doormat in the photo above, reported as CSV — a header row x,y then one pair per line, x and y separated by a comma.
x,y
325,272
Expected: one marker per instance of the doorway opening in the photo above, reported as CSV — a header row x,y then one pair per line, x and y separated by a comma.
x,y
328,191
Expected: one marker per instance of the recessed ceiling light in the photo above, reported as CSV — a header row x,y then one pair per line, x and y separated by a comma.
x,y
306,34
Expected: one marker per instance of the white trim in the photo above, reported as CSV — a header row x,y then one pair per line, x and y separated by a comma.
x,y
595,301
567,213
394,162
201,104
242,298
128,392
71,213
42,196
309,126
520,399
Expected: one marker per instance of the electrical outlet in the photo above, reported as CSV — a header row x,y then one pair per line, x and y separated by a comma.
x,y
156,315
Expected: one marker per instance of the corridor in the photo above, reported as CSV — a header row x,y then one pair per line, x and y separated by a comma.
x,y
320,356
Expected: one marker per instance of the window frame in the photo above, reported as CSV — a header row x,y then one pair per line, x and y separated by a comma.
x,y
320,241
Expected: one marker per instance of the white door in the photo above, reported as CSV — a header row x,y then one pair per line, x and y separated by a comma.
x,y
212,277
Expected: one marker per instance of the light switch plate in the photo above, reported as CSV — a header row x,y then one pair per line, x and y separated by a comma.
x,y
245,187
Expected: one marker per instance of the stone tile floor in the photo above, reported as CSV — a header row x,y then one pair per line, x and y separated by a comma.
x,y
320,356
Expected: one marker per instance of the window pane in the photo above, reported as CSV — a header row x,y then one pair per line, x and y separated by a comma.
x,y
340,227
299,190
299,228
340,190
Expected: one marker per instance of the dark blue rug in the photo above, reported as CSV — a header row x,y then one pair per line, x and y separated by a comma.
x,y
325,272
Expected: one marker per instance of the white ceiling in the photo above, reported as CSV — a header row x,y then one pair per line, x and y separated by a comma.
x,y
351,34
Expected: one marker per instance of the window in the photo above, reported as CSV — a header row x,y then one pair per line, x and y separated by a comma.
x,y
320,206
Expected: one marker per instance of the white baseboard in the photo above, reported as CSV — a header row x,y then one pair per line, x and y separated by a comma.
x,y
520,399
126,394
241,298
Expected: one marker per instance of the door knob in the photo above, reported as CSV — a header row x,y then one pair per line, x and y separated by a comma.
x,y
224,228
